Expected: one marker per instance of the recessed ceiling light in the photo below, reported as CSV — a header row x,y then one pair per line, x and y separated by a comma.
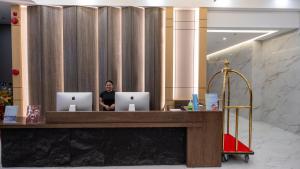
x,y
224,38
266,33
281,3
240,31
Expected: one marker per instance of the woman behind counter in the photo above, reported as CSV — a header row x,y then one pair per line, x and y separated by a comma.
x,y
107,97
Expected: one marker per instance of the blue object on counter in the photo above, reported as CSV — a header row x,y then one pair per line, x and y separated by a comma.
x,y
195,102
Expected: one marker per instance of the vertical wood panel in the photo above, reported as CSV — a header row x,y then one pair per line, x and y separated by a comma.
x,y
205,151
70,49
103,46
133,49
87,51
169,57
19,58
126,49
52,55
154,56
115,47
202,54
81,51
35,55
45,55
110,55
16,47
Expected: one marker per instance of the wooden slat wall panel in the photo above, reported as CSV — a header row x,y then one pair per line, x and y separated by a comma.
x,y
34,55
87,52
133,49
70,49
126,49
110,52
52,55
154,38
45,55
103,45
114,47
122,58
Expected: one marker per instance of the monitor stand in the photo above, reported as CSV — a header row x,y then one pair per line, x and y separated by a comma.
x,y
72,107
131,107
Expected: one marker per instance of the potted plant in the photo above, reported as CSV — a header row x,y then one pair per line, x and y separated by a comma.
x,y
5,99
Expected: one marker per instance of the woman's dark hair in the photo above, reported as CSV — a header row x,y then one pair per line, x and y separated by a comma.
x,y
109,82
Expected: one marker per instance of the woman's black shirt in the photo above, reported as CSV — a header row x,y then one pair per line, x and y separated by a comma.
x,y
108,98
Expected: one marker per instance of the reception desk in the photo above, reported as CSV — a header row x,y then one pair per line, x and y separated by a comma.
x,y
114,139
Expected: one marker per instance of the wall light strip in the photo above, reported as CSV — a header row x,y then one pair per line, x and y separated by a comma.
x,y
242,43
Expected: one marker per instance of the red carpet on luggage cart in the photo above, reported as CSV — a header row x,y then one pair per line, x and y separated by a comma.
x,y
229,145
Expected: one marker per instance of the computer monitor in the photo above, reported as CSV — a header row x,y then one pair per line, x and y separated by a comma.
x,y
82,100
139,99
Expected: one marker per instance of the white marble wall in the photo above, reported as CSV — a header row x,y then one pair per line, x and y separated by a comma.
x,y
240,59
278,80
273,67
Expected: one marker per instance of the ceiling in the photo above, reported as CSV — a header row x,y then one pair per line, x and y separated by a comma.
x,y
5,9
220,40
215,40
221,4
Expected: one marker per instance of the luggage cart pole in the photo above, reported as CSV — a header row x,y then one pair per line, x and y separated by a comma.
x,y
228,103
236,128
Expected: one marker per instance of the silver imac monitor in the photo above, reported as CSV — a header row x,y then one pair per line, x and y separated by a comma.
x,y
140,100
83,101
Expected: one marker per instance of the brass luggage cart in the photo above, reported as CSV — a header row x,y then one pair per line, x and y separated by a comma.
x,y
231,144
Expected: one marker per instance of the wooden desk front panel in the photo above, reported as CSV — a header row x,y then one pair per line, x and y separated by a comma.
x,y
204,129
204,144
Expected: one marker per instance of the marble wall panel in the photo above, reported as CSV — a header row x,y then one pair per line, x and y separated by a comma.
x,y
240,60
280,83
272,66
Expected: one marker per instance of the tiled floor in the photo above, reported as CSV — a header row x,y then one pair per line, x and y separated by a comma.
x,y
274,149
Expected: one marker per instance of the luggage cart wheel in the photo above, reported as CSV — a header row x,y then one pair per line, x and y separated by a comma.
x,y
246,158
225,157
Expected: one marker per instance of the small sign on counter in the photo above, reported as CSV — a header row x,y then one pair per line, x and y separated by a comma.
x,y
10,114
33,114
211,101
